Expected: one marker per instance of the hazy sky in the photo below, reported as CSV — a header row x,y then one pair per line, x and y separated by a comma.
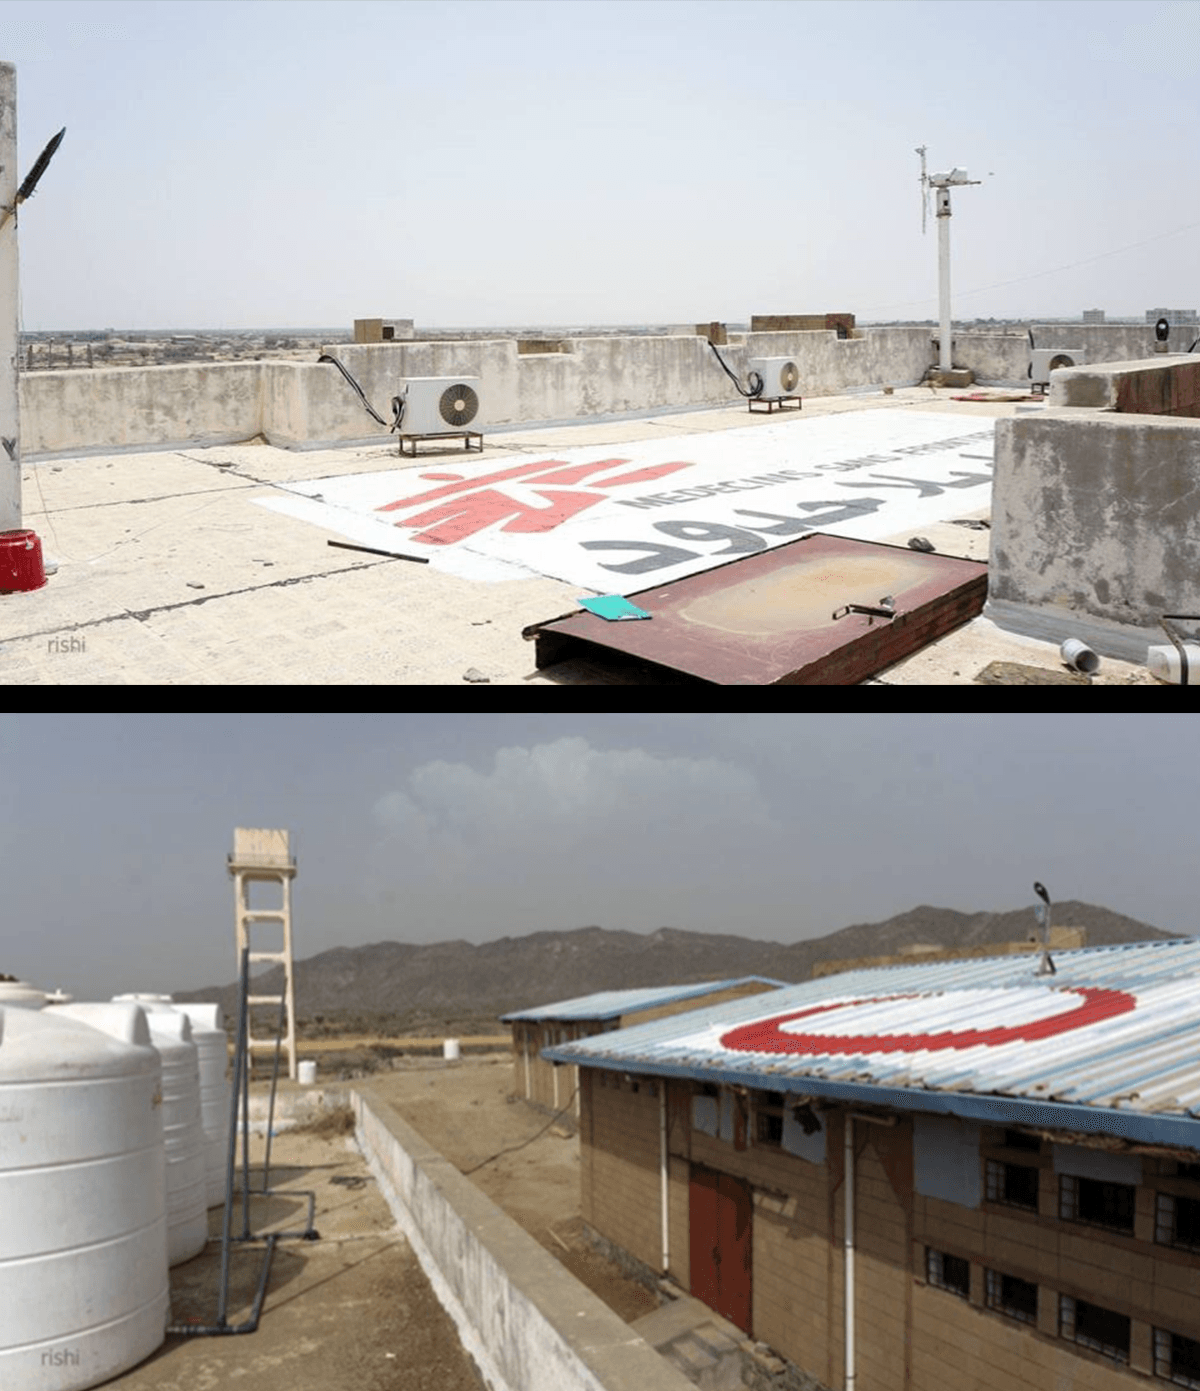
x,y
253,163
424,828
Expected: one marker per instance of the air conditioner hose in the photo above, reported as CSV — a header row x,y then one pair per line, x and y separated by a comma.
x,y
754,391
397,401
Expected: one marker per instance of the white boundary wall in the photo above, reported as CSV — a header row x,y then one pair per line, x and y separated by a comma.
x,y
528,1323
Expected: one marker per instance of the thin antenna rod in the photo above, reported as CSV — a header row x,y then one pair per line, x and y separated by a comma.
x,y
924,188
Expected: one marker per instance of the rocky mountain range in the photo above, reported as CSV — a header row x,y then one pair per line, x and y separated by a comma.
x,y
411,983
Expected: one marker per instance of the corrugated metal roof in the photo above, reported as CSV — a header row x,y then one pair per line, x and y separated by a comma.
x,y
611,1004
1109,1042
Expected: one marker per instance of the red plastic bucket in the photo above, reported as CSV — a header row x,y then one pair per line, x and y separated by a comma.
x,y
20,561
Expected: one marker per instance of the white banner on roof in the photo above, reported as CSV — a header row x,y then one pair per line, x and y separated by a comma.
x,y
618,518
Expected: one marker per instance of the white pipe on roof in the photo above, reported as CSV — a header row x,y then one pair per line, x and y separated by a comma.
x,y
662,1148
848,1241
848,1234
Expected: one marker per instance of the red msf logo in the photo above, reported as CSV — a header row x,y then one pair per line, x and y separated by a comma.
x,y
463,507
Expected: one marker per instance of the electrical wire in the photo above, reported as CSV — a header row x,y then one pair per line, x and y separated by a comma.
x,y
755,391
1037,275
397,401
512,1149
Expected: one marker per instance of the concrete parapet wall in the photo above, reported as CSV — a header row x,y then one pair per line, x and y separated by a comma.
x,y
529,1325
1095,526
1002,358
310,405
113,408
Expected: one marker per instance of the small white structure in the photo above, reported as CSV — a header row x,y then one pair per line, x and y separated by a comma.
x,y
780,376
440,405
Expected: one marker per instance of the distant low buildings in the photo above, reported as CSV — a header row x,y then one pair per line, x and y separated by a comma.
x,y
567,1020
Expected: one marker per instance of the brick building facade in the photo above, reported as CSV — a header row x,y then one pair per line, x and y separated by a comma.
x,y
1034,1242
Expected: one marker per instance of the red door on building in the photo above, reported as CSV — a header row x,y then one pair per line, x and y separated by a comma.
x,y
719,1210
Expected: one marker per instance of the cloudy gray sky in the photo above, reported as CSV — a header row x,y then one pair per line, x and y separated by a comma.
x,y
504,162
423,828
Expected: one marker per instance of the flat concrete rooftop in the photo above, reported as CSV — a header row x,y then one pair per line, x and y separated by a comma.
x,y
167,573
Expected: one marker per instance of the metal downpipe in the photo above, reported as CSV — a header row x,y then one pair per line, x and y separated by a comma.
x,y
662,1150
848,1241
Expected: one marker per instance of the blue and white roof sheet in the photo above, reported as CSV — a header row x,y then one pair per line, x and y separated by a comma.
x,y
611,1004
1110,1041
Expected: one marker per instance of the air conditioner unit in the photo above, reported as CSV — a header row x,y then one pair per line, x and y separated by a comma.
x,y
440,405
1043,361
780,376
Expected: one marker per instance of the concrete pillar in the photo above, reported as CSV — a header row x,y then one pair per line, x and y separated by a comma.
x,y
10,420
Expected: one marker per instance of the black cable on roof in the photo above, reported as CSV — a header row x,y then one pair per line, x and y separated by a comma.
x,y
397,401
754,391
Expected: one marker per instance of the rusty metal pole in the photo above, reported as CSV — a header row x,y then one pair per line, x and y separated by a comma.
x,y
10,416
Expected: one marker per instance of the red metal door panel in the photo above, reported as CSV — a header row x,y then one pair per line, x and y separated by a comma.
x,y
702,1214
719,1211
733,1232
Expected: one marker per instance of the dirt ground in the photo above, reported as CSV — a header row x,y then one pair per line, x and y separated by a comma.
x,y
464,1109
352,1311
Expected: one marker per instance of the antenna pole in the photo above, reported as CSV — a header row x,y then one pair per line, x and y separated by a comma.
x,y
924,187
941,184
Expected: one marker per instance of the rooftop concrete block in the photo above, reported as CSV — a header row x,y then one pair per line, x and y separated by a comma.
x,y
1168,385
1095,526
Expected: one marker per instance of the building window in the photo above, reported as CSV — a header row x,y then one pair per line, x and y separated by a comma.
x,y
1015,1184
768,1119
1016,1298
1090,1200
1187,1170
951,1273
1177,1221
1176,1358
1094,1327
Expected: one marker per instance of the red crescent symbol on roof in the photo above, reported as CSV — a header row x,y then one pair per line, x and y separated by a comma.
x,y
767,1036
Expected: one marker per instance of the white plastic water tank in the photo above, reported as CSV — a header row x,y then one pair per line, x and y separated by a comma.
x,y
183,1134
208,1035
20,994
84,1291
